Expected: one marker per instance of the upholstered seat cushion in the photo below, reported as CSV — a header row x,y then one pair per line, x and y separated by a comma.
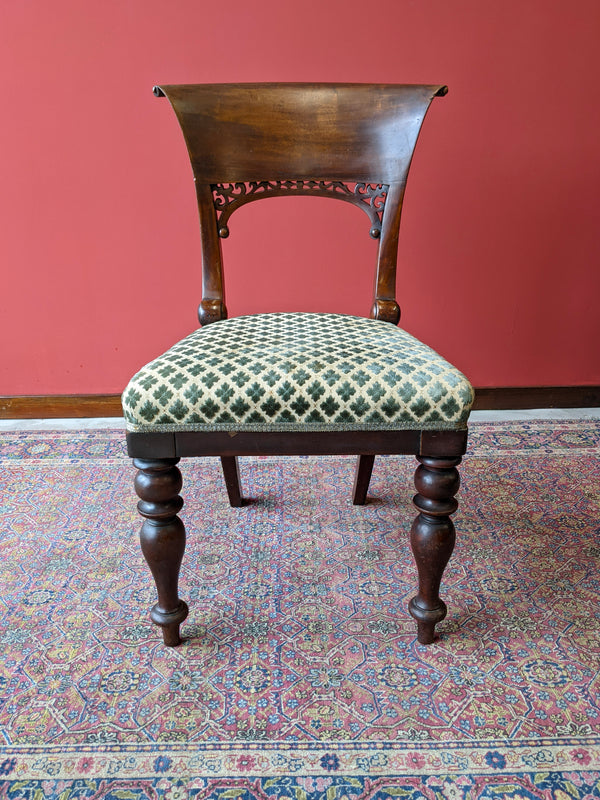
x,y
297,371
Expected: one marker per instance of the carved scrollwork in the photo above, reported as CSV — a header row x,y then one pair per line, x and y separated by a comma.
x,y
370,197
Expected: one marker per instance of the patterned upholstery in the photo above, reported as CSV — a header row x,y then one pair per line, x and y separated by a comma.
x,y
297,371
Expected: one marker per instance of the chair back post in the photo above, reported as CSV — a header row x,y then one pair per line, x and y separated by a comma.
x,y
385,306
212,306
354,142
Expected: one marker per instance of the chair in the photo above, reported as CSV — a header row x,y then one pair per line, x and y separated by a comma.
x,y
298,383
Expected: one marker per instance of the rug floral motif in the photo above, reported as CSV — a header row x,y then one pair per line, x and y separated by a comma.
x,y
300,675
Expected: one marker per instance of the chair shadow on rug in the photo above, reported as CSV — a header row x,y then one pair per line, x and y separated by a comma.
x,y
298,383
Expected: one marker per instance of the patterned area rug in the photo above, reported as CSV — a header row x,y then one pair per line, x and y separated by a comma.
x,y
301,676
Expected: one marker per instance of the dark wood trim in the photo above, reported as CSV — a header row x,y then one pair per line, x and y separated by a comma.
x,y
487,398
515,397
61,405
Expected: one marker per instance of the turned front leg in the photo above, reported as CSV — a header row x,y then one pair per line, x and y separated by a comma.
x,y
162,537
432,538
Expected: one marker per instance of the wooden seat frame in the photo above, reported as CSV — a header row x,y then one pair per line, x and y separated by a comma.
x,y
250,141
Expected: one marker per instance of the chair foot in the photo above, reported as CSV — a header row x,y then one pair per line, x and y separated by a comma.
x,y
432,538
362,478
162,538
426,619
231,473
170,621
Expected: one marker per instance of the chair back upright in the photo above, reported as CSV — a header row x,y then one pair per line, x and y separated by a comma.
x,y
353,142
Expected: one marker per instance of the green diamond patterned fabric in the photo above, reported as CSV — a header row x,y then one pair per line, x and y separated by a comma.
x,y
297,371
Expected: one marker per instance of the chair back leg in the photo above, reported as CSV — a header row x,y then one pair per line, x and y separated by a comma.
x,y
231,473
362,478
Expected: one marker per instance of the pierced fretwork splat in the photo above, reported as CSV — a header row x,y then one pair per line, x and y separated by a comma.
x,y
370,197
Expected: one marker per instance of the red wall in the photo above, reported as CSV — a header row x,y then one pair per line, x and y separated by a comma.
x,y
99,250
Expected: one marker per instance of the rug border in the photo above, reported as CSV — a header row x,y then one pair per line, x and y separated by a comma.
x,y
276,759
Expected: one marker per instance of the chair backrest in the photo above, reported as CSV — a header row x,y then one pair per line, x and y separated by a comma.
x,y
353,142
